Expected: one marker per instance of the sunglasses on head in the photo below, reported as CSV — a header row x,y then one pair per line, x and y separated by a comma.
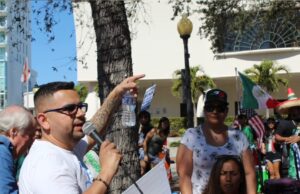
x,y
70,108
217,108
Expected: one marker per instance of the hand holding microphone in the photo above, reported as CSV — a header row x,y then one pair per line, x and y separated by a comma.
x,y
109,156
90,129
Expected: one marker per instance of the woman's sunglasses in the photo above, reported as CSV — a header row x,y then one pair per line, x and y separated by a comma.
x,y
218,108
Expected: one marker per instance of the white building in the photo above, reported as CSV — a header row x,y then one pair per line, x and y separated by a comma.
x,y
15,46
157,51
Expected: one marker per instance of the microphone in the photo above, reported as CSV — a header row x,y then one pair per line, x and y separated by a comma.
x,y
90,129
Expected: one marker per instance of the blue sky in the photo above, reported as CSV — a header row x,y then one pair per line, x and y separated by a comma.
x,y
43,58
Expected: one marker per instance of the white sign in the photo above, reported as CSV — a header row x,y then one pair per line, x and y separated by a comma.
x,y
154,182
148,97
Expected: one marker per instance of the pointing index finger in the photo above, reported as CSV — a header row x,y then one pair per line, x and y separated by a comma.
x,y
135,77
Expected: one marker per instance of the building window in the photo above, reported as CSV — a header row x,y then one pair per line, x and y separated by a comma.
x,y
2,54
2,85
2,5
2,37
2,21
279,34
2,100
2,71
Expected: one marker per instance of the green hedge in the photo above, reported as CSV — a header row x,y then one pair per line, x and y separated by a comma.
x,y
229,120
176,122
177,125
175,144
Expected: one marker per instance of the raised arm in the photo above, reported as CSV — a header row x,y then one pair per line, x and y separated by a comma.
x,y
263,149
110,158
112,102
280,138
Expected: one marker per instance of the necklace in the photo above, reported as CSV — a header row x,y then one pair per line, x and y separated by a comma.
x,y
215,138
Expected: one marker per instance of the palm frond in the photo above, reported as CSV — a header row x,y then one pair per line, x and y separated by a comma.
x,y
266,74
199,83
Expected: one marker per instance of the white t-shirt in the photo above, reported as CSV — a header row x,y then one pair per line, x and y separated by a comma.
x,y
204,155
49,169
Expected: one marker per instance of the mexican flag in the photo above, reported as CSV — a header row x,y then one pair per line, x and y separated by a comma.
x,y
254,96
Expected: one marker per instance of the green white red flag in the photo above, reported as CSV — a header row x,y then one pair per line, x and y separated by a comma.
x,y
254,96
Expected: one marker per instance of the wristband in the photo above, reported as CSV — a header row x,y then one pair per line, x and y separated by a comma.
x,y
103,181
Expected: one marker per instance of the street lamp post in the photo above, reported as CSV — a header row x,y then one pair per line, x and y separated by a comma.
x,y
185,28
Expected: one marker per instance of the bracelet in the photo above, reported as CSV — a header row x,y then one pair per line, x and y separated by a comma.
x,y
103,181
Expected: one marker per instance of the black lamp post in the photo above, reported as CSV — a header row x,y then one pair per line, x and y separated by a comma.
x,y
185,28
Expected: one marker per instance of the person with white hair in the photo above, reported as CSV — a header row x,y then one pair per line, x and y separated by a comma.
x,y
17,129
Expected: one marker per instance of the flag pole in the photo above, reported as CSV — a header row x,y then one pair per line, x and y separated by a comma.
x,y
237,91
27,93
27,83
25,79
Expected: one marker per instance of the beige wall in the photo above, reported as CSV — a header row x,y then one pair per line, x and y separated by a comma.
x,y
164,103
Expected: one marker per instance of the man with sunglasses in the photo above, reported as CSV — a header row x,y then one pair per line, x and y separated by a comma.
x,y
54,164
200,146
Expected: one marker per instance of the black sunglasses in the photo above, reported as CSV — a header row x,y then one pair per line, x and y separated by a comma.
x,y
220,109
70,108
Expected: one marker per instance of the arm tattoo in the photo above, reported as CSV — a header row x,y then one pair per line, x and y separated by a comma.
x,y
101,117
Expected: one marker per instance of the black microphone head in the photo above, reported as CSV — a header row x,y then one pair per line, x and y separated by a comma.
x,y
88,127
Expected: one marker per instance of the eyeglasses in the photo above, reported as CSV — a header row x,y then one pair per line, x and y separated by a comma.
x,y
220,109
70,108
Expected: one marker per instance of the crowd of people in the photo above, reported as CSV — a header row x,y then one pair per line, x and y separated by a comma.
x,y
200,157
212,157
153,143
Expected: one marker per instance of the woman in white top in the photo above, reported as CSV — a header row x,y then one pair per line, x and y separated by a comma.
x,y
201,145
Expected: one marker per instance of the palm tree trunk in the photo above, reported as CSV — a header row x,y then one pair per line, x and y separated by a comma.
x,y
114,64
267,113
195,114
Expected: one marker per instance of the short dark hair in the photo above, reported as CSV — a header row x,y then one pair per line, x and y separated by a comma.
x,y
271,120
213,186
49,89
162,120
144,113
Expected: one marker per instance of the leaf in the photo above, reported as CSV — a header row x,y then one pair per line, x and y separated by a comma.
x,y
54,69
